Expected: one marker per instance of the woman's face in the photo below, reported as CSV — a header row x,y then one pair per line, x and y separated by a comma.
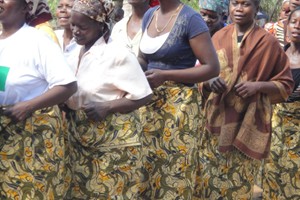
x,y
85,30
212,19
294,4
294,27
12,10
63,12
243,12
285,10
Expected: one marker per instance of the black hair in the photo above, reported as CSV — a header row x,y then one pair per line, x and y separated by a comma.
x,y
292,12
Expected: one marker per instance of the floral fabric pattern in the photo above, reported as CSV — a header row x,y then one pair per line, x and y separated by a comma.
x,y
170,135
32,157
281,175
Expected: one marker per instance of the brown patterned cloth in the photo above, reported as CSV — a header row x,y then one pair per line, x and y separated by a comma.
x,y
39,12
98,10
245,124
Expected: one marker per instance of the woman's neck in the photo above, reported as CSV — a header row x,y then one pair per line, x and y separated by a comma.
x,y
10,29
168,5
241,30
67,34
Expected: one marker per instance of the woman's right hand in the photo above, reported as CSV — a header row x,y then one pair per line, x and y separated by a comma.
x,y
217,85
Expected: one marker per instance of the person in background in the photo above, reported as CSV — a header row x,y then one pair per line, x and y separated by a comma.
x,y
277,28
174,36
212,12
65,36
281,171
238,109
128,31
34,77
105,132
39,16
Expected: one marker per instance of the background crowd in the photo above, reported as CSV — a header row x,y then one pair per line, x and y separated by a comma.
x,y
158,101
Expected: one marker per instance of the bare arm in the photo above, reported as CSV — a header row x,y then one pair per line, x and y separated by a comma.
x,y
99,110
53,96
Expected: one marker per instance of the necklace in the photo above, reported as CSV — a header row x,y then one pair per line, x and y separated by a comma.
x,y
173,15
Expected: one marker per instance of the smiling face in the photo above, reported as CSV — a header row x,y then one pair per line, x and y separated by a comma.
x,y
63,12
293,27
243,12
86,31
11,11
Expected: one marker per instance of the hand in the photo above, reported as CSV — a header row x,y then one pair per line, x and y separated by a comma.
x,y
96,111
155,77
246,89
19,111
217,85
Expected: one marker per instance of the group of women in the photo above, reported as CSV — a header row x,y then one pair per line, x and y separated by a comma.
x,y
103,119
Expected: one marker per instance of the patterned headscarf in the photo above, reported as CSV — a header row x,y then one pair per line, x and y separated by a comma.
x,y
38,13
98,10
219,6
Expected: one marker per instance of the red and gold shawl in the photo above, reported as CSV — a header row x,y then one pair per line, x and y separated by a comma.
x,y
245,124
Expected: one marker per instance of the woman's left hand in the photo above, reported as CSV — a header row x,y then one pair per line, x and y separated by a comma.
x,y
96,111
246,89
19,111
155,77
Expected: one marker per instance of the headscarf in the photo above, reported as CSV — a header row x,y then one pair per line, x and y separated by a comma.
x,y
38,13
218,6
98,10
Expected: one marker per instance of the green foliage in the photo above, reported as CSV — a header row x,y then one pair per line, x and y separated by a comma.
x,y
192,3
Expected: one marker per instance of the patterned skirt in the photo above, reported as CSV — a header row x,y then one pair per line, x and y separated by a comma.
x,y
226,176
281,172
32,157
105,157
171,125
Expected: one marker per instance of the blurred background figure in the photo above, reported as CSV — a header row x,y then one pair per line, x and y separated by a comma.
x,y
128,32
64,34
213,13
281,178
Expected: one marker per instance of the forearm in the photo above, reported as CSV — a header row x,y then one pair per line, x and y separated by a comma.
x,y
267,87
53,96
192,75
125,105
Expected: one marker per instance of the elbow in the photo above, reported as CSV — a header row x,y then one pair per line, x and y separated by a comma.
x,y
71,88
215,70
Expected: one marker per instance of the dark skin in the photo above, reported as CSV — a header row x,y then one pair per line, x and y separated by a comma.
x,y
212,19
200,44
293,52
139,7
12,19
242,13
86,32
63,12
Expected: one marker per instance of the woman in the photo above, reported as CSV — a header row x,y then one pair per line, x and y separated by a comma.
x,y
281,172
65,35
34,77
105,140
212,13
238,110
128,31
174,36
277,28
